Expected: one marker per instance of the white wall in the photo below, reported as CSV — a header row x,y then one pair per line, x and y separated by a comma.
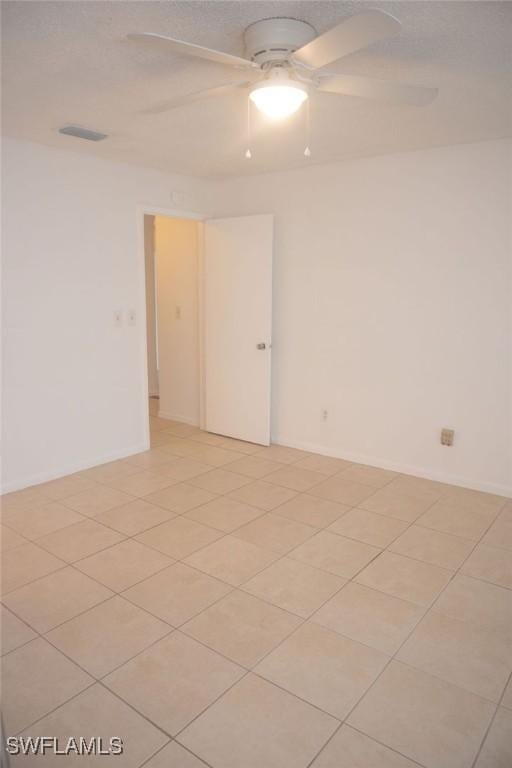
x,y
75,386
392,309
176,255
149,263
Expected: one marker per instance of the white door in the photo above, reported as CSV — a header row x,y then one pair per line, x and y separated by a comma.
x,y
238,326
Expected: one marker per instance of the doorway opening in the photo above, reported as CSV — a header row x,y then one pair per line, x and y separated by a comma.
x,y
171,256
208,296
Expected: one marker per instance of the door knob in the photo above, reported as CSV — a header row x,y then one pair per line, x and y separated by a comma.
x,y
261,345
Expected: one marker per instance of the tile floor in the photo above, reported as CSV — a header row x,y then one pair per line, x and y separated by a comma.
x,y
215,603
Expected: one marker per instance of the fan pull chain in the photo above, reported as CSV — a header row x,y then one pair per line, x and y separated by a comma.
x,y
248,153
307,151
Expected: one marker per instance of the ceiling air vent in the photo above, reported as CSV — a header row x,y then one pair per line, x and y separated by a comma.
x,y
82,133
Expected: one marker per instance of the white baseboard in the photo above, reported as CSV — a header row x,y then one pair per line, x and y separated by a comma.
x,y
44,477
178,417
404,469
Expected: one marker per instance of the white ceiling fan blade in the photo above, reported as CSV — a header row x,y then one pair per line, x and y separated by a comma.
x,y
190,49
349,36
380,90
207,93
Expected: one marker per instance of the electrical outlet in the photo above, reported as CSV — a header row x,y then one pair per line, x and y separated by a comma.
x,y
325,415
447,436
118,318
132,317
178,313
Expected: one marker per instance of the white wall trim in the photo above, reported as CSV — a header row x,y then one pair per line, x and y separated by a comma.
x,y
404,469
178,417
70,469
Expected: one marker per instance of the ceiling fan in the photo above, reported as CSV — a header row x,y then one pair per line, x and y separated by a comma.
x,y
285,62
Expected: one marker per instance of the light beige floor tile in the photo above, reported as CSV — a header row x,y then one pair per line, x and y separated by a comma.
x,y
183,469
281,454
23,499
241,446
180,498
369,527
55,598
490,564
335,554
216,457
500,532
25,564
323,668
232,560
311,510
158,440
141,484
173,681
296,478
208,438
157,424
497,749
399,502
9,539
41,519
507,696
219,481
66,486
97,712
253,466
36,678
179,537
370,617
135,517
242,627
151,459
107,635
350,749
294,586
375,477
327,465
14,631
479,603
419,487
257,725
224,514
177,593
425,718
98,499
433,547
181,447
471,657
345,491
80,540
175,756
405,578
181,430
263,495
451,515
124,564
474,499
275,532
109,471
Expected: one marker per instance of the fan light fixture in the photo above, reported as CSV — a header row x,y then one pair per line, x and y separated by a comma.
x,y
278,96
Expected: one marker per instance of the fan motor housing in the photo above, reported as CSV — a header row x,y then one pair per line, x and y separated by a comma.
x,y
273,40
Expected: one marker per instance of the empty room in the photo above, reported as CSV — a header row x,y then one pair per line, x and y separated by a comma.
x,y
256,474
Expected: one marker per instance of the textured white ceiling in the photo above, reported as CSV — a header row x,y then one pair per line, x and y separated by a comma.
x,y
69,62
